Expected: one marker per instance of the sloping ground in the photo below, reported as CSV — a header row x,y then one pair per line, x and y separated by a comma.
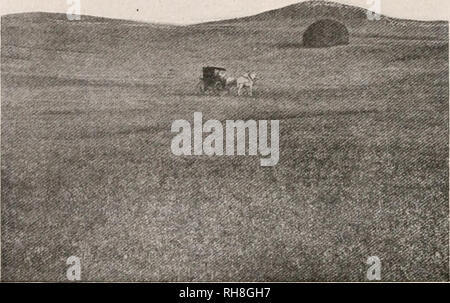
x,y
107,50
305,11
311,10
42,17
87,169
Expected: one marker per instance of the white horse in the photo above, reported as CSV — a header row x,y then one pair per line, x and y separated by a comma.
x,y
245,81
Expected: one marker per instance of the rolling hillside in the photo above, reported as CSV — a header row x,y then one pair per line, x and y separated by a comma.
x,y
87,170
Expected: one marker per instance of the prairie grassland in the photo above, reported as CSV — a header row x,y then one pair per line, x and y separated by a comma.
x,y
87,168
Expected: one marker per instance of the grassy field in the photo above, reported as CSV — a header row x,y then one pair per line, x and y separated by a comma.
x,y
87,169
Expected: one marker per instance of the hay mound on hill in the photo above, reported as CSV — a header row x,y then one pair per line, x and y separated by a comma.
x,y
326,33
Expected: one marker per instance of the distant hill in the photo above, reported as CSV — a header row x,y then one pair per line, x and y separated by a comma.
x,y
303,11
98,48
40,30
313,9
42,17
316,9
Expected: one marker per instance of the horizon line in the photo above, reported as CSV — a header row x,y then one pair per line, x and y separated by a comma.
x,y
218,19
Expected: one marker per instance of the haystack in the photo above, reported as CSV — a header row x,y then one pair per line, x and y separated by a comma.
x,y
326,33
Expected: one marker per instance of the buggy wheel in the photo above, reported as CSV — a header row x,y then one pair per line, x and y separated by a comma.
x,y
201,87
218,88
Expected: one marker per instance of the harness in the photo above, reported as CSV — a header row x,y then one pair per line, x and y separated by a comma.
x,y
249,77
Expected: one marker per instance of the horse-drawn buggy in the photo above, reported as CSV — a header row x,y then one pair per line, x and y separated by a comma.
x,y
214,79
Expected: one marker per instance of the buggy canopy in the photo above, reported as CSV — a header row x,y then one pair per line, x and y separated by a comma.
x,y
211,71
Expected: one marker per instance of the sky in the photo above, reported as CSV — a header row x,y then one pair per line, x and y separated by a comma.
x,y
195,11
